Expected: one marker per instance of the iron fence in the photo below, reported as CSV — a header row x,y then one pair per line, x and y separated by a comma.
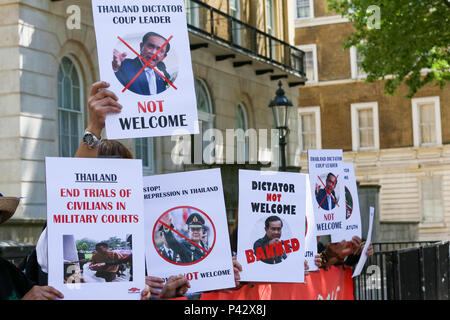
x,y
408,271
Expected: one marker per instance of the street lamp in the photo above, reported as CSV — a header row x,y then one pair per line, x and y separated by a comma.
x,y
280,107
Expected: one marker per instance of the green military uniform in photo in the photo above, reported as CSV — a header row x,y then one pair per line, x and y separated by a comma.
x,y
187,251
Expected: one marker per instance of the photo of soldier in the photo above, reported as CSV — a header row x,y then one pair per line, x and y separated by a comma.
x,y
178,248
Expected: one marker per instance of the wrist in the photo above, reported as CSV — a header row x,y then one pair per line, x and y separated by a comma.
x,y
97,131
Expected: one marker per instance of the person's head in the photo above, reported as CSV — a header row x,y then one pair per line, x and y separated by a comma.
x,y
195,224
113,148
331,181
8,206
101,247
151,43
273,226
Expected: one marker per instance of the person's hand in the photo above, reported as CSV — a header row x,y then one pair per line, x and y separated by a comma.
x,y
369,251
306,268
274,241
167,220
96,265
155,284
146,293
43,293
339,250
176,286
317,260
317,189
356,245
118,59
101,102
237,268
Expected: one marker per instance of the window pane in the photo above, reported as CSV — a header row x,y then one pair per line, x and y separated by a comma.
x,y
309,65
427,123
308,131
303,9
432,208
67,97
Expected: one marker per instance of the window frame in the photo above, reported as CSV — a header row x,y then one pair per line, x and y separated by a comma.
x,y
205,118
311,48
147,170
441,218
354,64
311,11
308,110
355,108
81,112
415,103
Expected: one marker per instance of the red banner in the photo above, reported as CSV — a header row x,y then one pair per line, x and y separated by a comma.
x,y
334,284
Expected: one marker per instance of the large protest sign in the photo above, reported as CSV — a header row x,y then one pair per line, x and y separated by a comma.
x,y
310,232
187,230
144,53
352,224
95,227
271,232
363,257
326,177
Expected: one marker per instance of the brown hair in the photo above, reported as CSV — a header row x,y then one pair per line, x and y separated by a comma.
x,y
113,148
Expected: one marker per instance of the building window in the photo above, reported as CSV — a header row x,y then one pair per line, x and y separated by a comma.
x,y
426,121
305,9
242,140
365,132
70,109
205,117
270,28
356,59
431,200
192,12
235,12
310,62
309,128
144,151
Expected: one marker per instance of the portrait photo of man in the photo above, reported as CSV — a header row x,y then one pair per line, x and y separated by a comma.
x,y
326,197
149,81
273,228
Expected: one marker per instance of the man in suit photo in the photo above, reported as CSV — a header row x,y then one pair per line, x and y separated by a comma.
x,y
326,197
148,82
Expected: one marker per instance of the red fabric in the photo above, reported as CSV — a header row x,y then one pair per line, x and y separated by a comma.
x,y
334,284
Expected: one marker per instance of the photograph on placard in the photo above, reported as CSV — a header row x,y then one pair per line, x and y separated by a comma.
x,y
97,260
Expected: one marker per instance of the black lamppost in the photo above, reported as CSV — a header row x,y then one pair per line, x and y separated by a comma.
x,y
280,107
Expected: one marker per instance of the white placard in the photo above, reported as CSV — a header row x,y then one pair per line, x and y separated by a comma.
x,y
186,229
157,100
95,227
363,257
352,223
326,175
276,252
310,233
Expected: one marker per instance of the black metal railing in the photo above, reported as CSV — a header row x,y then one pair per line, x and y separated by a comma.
x,y
216,25
409,271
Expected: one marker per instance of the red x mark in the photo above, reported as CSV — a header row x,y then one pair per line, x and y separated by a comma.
x,y
329,192
147,63
206,251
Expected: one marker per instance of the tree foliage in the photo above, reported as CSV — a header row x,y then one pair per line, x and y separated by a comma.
x,y
409,44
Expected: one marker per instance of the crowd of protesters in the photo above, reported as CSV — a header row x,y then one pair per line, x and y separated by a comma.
x,y
28,281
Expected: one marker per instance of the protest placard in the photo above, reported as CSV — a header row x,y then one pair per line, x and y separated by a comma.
x,y
95,228
327,187
144,54
310,232
271,232
363,257
352,223
187,230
